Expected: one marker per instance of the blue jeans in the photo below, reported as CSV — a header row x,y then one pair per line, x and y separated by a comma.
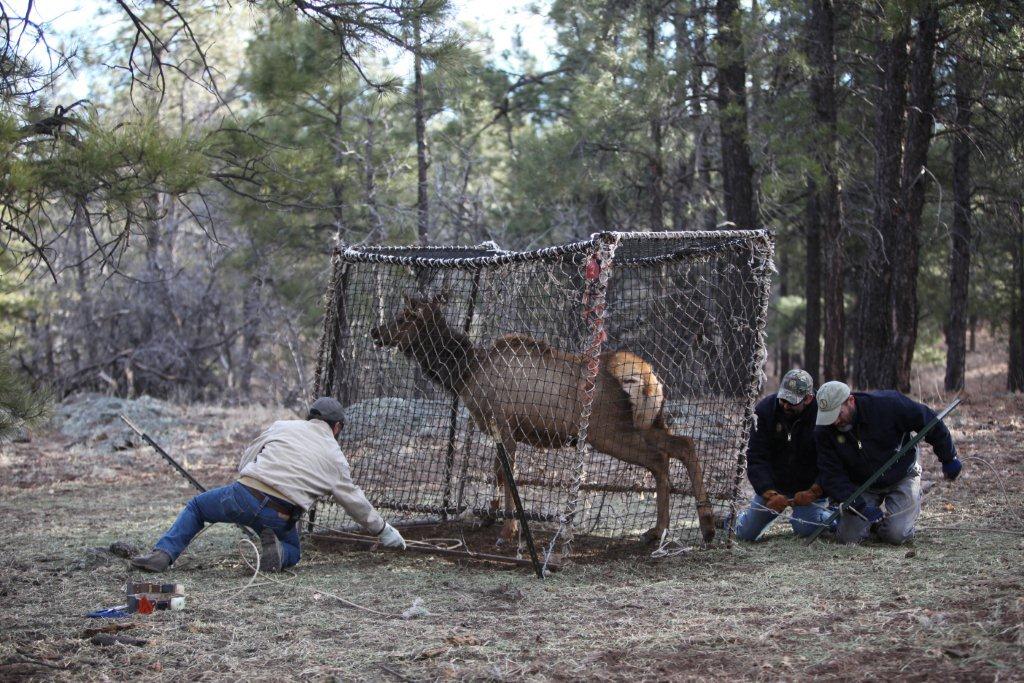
x,y
902,508
231,503
752,522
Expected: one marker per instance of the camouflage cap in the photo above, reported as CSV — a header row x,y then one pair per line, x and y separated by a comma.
x,y
796,384
831,396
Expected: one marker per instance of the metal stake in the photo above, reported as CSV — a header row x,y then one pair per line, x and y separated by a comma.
x,y
511,483
181,470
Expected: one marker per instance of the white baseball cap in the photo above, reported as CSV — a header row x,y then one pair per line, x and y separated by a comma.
x,y
831,396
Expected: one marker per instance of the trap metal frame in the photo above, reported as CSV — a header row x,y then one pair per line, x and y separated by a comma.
x,y
687,310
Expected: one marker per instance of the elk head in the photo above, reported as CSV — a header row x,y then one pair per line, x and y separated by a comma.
x,y
414,325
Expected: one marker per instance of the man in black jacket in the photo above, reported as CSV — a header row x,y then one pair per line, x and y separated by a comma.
x,y
857,433
782,462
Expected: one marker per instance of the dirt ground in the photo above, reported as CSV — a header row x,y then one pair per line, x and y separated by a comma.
x,y
950,606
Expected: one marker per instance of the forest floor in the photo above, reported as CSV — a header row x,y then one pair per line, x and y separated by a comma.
x,y
949,606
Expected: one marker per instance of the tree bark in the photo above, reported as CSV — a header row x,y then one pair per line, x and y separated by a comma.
x,y
812,283
737,171
337,187
422,198
684,169
1015,369
875,358
821,53
377,231
960,249
785,358
656,164
599,211
913,183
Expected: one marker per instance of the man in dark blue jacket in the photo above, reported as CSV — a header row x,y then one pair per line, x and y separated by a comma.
x,y
857,433
782,462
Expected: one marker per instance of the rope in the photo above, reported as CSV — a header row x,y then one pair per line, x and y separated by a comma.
x,y
665,548
727,240
414,611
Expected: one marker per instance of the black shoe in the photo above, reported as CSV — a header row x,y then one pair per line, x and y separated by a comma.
x,y
270,553
156,561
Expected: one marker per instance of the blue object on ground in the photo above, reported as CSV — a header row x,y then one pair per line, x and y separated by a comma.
x,y
118,612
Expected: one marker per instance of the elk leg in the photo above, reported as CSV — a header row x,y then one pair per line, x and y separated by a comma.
x,y
663,489
639,448
503,435
499,485
682,448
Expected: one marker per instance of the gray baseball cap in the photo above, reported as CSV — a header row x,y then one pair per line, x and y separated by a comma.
x,y
831,396
796,384
327,409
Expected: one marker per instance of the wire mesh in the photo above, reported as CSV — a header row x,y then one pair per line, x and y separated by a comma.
x,y
619,372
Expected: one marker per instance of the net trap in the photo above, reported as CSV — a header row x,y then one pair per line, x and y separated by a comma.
x,y
612,380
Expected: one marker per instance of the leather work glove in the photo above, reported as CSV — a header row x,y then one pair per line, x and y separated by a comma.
x,y
390,538
808,496
775,501
952,468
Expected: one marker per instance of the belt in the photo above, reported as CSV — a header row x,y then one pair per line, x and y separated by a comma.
x,y
286,509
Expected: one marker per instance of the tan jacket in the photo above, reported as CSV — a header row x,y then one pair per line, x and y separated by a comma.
x,y
301,459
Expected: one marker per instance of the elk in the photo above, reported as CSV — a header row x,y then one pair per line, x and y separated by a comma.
x,y
521,390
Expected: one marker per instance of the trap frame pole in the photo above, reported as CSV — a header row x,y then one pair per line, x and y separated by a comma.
x,y
453,413
520,512
164,454
884,468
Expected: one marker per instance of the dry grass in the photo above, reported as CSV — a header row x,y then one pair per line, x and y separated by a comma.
x,y
950,607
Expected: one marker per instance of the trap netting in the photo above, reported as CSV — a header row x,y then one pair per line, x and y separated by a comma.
x,y
619,373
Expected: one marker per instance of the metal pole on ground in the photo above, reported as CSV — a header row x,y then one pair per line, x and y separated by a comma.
x,y
511,483
174,463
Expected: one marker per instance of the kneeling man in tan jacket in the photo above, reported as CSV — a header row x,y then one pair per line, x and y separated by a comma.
x,y
281,474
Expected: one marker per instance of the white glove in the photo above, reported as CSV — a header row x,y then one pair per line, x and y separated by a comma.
x,y
390,537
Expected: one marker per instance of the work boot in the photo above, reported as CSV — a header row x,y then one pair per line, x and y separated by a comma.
x,y
156,561
270,553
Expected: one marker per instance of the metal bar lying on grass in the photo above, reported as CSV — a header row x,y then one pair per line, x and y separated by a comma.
x,y
181,470
884,468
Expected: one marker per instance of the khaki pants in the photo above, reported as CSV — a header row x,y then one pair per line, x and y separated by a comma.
x,y
902,506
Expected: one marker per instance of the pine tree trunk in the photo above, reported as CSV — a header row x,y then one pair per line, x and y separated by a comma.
x,y
822,57
875,358
913,184
684,170
422,199
785,359
656,170
377,231
812,283
737,170
960,249
1015,369
337,187
701,166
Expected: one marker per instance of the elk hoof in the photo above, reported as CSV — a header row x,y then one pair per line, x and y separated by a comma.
x,y
651,536
509,536
707,527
